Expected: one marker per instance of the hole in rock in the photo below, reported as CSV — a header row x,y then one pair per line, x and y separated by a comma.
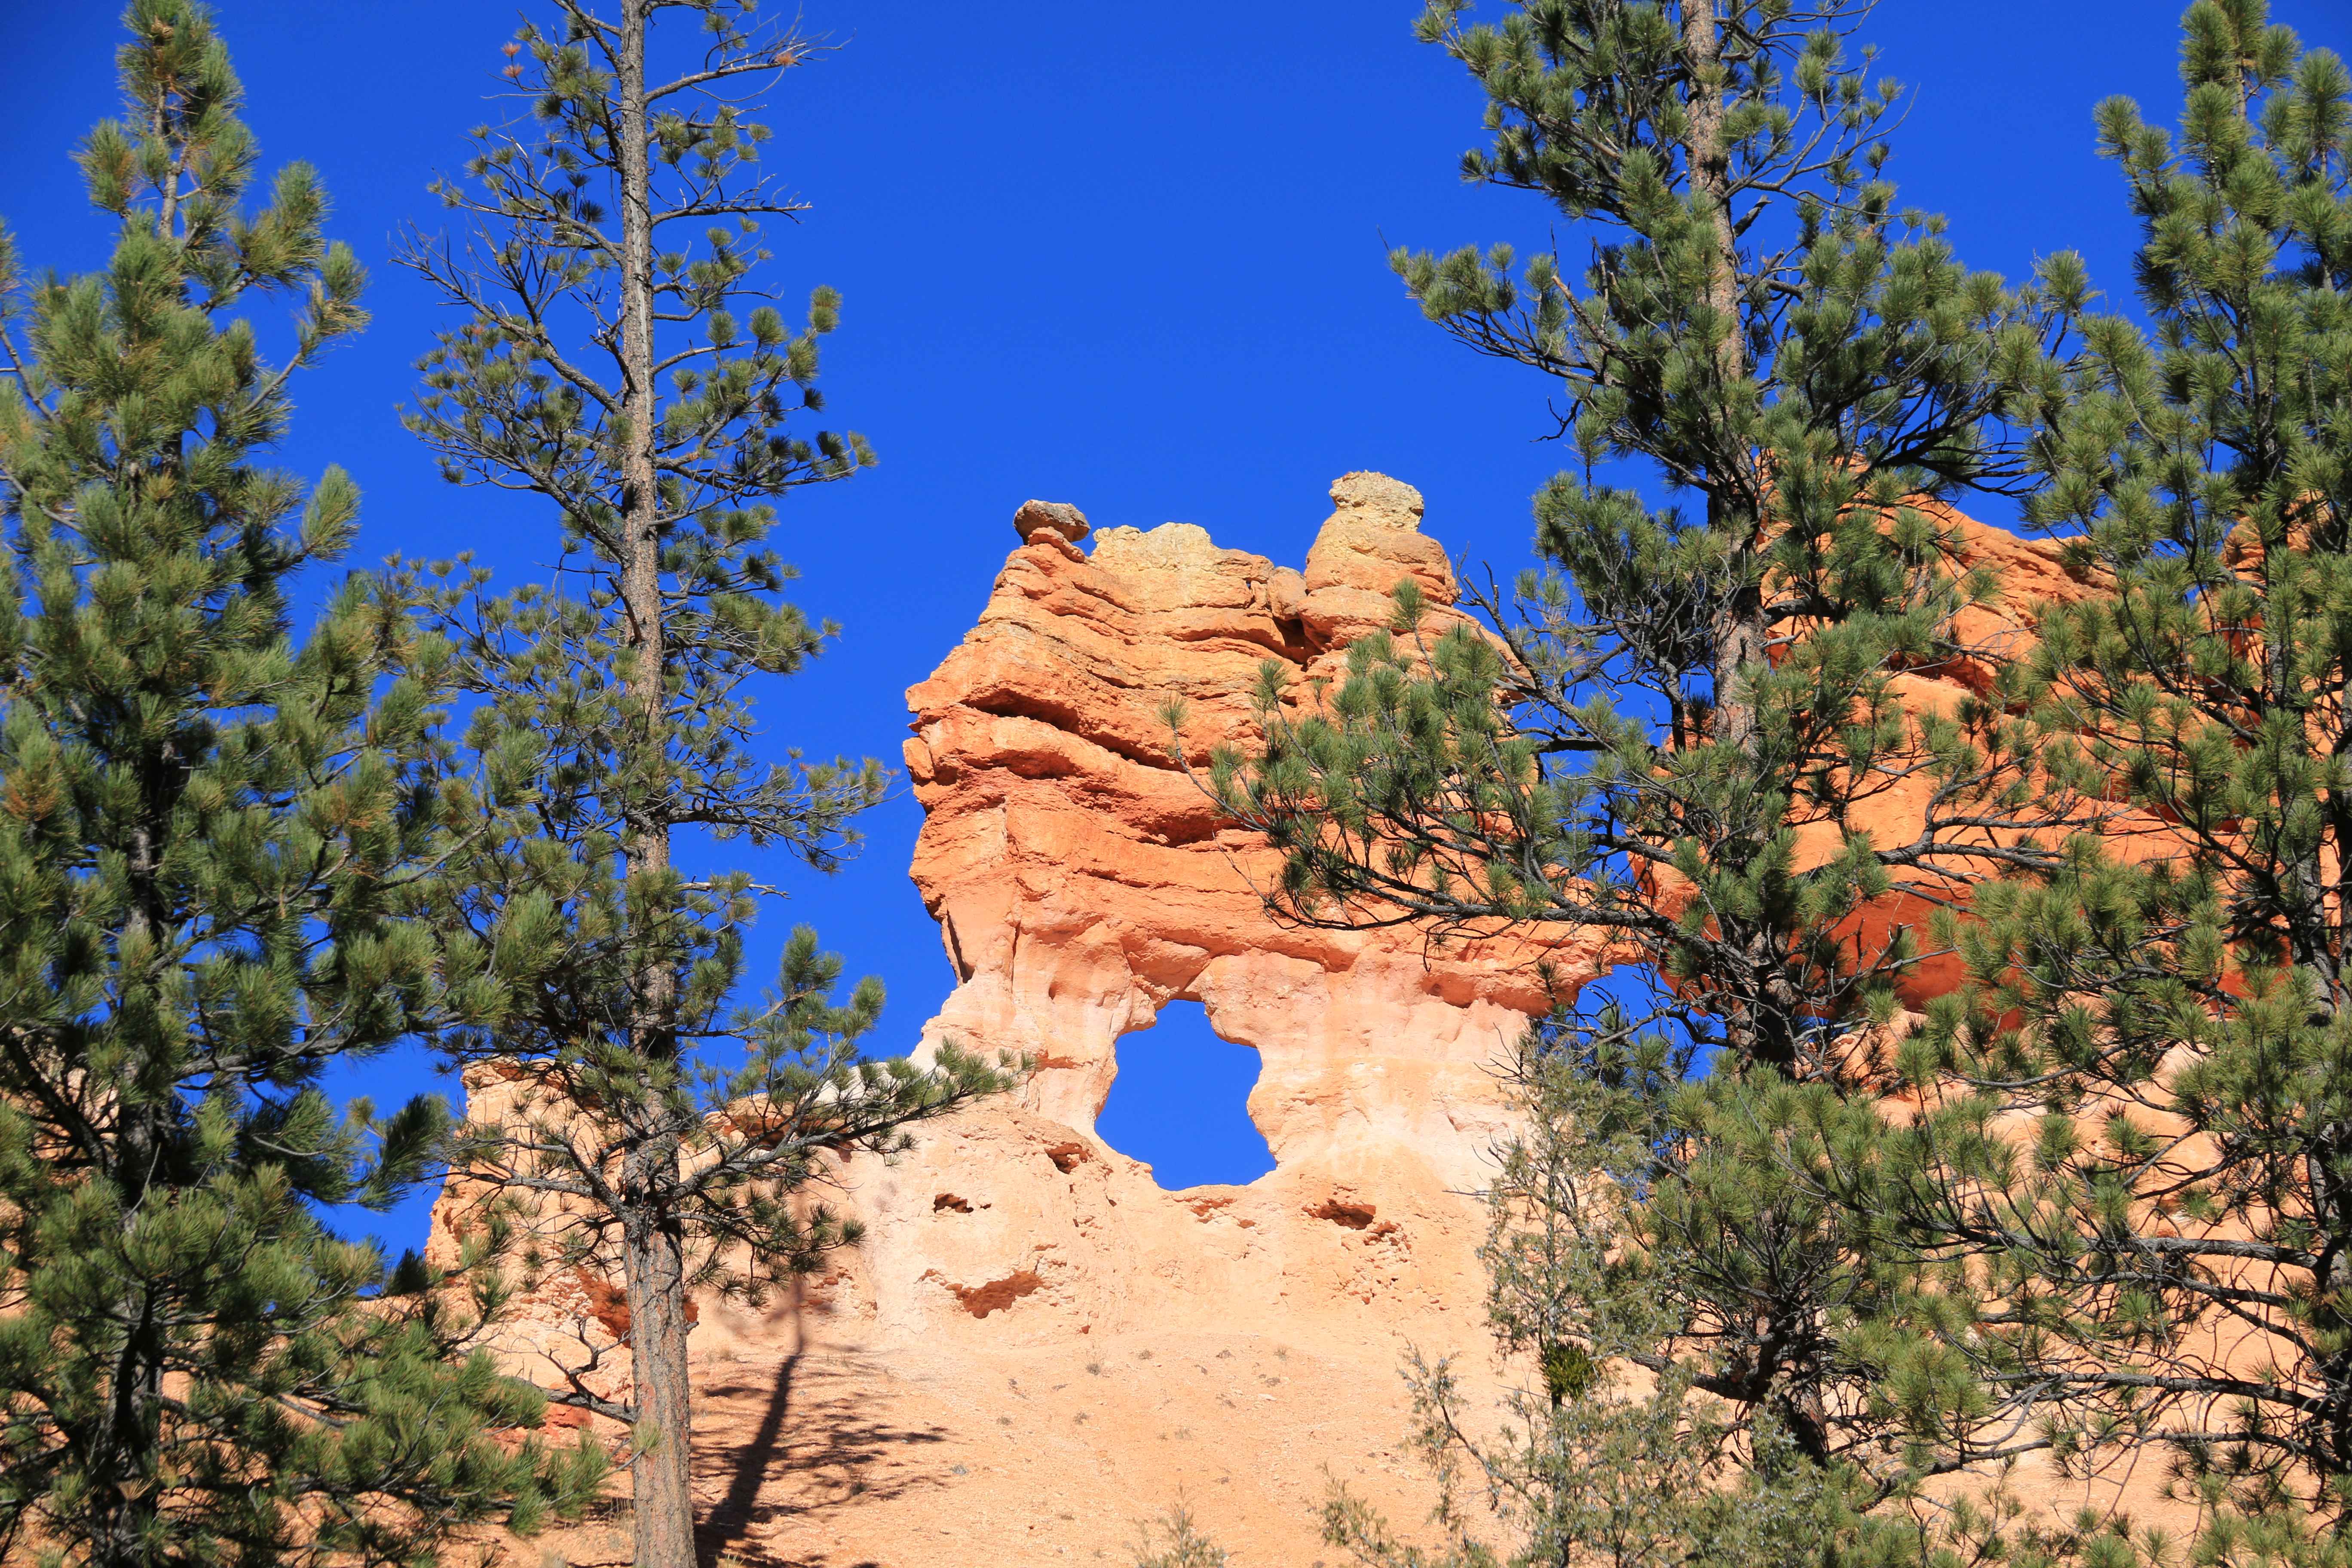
x,y
1181,1103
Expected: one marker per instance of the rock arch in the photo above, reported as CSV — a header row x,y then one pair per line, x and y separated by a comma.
x,y
1036,1345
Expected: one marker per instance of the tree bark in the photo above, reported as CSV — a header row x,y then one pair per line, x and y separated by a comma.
x,y
128,1438
1739,624
660,1470
654,1252
1756,1030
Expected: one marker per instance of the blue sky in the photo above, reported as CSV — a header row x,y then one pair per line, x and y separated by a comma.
x,y
1126,256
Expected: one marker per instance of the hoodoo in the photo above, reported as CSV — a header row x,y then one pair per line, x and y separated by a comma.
x,y
1036,1347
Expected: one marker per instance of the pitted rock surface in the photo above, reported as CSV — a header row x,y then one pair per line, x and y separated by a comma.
x,y
1036,1347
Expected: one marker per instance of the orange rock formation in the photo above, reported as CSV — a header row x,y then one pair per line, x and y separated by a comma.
x,y
1037,1347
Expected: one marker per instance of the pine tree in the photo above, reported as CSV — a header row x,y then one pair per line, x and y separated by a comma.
x,y
2157,1169
1667,738
1604,1451
604,370
213,839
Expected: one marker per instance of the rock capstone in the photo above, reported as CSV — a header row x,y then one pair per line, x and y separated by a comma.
x,y
1051,522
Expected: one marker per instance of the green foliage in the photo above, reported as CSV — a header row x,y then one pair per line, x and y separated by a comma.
x,y
1674,698
1176,1543
1665,740
1645,1423
215,845
617,362
530,393
1606,1447
1627,1224
2154,1170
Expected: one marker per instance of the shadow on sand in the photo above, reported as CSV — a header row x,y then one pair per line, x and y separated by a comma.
x,y
807,1457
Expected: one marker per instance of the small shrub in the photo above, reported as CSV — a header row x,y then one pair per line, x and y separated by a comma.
x,y
1173,1543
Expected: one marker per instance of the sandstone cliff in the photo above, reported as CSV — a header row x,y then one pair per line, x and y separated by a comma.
x,y
1037,1346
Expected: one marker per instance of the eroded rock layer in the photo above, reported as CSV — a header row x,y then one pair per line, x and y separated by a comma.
x,y
1223,1342
1037,1346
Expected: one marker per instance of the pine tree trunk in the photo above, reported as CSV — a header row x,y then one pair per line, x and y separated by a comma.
x,y
653,1258
124,1508
120,1518
660,1474
1739,625
1754,1031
